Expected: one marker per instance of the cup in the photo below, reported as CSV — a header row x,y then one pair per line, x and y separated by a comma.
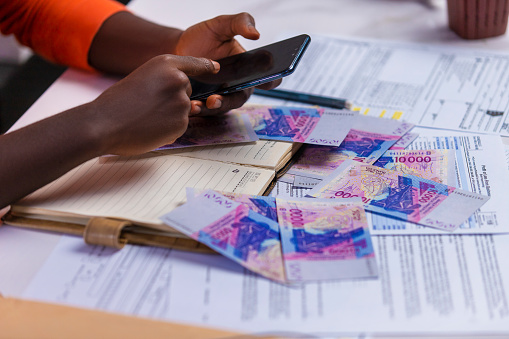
x,y
478,19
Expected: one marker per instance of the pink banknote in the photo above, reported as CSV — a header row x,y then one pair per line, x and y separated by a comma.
x,y
226,129
366,142
435,165
401,196
261,204
404,141
300,124
232,229
325,239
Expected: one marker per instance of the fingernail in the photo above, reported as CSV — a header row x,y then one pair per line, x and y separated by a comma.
x,y
195,109
252,29
216,65
217,104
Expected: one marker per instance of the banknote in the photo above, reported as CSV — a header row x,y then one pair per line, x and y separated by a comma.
x,y
369,139
401,196
404,141
325,239
232,229
264,205
436,165
316,161
300,124
226,129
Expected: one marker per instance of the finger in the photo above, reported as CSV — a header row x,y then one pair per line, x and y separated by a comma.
x,y
214,101
228,26
189,89
196,107
192,66
270,85
217,104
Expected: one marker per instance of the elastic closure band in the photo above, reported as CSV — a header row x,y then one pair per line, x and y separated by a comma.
x,y
105,232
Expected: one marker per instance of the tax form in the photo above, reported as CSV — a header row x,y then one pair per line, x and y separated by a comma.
x,y
478,169
458,283
428,284
422,84
481,167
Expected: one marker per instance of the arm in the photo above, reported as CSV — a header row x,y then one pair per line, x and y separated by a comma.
x,y
111,39
147,109
58,30
126,41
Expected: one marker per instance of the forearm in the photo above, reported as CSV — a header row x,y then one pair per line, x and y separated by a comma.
x,y
125,41
147,109
39,153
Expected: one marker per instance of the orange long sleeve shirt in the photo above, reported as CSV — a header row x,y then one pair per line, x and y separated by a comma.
x,y
59,30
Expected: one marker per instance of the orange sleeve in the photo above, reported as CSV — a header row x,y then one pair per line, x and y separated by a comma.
x,y
59,30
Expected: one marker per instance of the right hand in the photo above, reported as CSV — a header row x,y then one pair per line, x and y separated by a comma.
x,y
215,38
148,108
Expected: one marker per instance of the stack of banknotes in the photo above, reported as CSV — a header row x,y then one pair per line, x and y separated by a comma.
x,y
289,241
352,164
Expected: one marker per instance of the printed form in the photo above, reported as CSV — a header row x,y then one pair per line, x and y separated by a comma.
x,y
428,283
457,283
421,84
477,170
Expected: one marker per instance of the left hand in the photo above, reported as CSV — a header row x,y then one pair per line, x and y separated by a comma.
x,y
214,39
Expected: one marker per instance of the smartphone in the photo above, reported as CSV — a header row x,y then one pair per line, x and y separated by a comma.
x,y
251,68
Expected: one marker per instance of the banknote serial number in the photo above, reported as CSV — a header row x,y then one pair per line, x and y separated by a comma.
x,y
413,159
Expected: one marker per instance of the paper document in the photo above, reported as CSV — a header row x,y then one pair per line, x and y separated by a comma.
x,y
427,285
480,168
286,189
422,84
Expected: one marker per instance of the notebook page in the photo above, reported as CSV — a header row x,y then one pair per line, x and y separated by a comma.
x,y
262,153
140,188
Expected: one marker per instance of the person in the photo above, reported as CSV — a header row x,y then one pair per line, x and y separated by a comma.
x,y
148,108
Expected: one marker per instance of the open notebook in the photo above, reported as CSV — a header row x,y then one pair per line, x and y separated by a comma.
x,y
141,189
273,155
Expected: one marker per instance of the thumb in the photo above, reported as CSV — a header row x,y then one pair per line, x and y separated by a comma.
x,y
228,26
192,66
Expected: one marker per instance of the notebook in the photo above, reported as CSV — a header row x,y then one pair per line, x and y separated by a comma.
x,y
140,189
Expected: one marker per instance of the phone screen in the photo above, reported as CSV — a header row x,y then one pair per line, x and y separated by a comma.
x,y
251,68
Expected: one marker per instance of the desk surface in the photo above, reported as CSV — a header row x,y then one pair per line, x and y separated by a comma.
x,y
23,252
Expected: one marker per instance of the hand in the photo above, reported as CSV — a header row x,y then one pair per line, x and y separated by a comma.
x,y
150,107
214,39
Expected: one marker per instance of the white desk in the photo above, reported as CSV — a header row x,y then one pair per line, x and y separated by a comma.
x,y
22,252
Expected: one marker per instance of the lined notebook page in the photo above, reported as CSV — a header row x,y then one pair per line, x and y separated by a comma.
x,y
263,153
140,188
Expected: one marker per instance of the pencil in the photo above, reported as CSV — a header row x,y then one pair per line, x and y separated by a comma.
x,y
304,98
